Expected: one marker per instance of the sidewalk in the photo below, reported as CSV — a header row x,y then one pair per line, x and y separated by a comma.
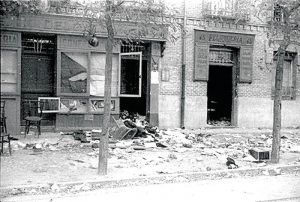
x,y
56,162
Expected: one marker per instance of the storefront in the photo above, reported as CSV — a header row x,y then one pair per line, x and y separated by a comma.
x,y
223,60
47,58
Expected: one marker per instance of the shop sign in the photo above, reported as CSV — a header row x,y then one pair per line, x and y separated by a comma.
x,y
224,38
9,39
76,25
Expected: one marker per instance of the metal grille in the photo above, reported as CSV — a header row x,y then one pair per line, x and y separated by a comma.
x,y
221,56
38,44
132,47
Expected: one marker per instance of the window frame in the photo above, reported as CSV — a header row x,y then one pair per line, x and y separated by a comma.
x,y
17,92
140,74
59,73
291,57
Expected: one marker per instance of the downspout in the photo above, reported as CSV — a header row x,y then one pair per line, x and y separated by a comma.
x,y
183,62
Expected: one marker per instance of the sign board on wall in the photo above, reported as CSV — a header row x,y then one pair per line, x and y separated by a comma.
x,y
12,39
246,61
201,62
204,39
61,24
224,38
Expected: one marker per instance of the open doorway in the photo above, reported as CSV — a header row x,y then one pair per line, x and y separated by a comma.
x,y
219,95
135,104
134,79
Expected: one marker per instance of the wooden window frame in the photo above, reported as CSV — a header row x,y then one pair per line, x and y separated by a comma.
x,y
18,71
140,74
292,95
59,93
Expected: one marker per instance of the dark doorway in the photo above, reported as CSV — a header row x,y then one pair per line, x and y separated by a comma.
x,y
219,94
38,76
136,104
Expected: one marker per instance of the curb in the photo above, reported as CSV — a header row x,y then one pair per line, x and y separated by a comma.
x,y
72,187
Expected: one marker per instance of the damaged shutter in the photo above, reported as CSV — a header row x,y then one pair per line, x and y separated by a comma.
x,y
246,63
201,62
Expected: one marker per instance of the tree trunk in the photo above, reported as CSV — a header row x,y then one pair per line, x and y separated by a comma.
x,y
277,100
103,145
277,106
286,30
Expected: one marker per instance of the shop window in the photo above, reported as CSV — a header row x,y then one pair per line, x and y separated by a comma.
x,y
289,77
73,105
74,73
9,71
97,79
97,74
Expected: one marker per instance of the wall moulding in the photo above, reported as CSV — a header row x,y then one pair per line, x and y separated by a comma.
x,y
225,25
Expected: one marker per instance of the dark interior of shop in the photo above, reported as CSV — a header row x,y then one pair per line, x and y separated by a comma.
x,y
136,104
219,93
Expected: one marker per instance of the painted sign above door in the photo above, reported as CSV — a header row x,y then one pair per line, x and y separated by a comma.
x,y
228,39
75,25
204,39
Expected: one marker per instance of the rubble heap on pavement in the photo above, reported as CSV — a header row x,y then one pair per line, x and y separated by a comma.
x,y
224,146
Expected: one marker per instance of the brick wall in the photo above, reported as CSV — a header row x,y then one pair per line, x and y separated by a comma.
x,y
257,92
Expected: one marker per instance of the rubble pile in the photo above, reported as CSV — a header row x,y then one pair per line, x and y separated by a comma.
x,y
230,150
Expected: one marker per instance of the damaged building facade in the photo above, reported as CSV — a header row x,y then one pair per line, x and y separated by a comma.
x,y
219,72
47,58
228,71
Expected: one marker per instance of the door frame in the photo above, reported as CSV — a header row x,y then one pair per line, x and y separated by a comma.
x,y
234,81
140,74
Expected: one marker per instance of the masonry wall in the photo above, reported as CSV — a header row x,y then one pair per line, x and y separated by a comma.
x,y
254,102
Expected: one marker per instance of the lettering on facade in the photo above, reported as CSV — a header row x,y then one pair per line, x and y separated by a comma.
x,y
66,25
75,42
9,39
72,43
223,38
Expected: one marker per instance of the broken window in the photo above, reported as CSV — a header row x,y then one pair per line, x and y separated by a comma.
x,y
74,72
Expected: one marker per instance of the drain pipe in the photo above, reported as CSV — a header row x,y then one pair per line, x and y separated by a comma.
x,y
183,62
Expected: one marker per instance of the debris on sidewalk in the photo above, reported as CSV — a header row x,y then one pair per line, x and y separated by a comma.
x,y
260,154
155,152
231,163
83,136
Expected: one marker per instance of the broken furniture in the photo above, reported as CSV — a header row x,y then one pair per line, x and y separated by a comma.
x,y
33,110
3,118
5,138
119,131
260,154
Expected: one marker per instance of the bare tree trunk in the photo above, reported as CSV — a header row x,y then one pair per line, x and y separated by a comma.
x,y
277,107
278,81
103,145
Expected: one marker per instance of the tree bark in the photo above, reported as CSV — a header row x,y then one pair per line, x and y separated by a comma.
x,y
103,145
286,30
277,106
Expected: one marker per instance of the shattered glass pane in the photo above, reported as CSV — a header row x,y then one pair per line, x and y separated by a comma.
x,y
74,72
